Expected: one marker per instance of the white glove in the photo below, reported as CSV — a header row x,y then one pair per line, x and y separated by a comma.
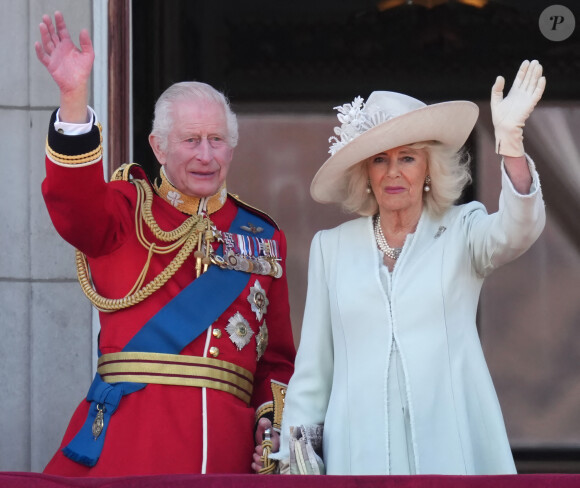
x,y
510,113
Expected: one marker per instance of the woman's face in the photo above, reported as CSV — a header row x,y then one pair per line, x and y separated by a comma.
x,y
397,177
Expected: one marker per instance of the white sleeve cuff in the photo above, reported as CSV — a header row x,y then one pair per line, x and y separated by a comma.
x,y
75,129
535,186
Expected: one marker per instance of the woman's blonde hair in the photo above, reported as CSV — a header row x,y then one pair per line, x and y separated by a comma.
x,y
449,172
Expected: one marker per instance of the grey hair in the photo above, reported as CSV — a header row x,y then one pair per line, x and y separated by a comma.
x,y
449,172
194,91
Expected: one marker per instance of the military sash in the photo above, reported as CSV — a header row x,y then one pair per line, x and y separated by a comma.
x,y
214,291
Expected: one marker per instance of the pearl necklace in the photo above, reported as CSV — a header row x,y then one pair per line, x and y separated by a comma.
x,y
391,252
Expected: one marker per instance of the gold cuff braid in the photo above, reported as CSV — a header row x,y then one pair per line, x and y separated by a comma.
x,y
87,157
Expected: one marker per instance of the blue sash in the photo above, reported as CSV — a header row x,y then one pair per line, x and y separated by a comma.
x,y
213,292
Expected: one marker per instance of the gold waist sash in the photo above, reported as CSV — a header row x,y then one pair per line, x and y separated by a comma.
x,y
174,369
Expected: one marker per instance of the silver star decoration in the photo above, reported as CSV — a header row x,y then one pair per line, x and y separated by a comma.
x,y
239,330
258,300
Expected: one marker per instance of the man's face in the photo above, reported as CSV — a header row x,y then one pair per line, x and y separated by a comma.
x,y
197,157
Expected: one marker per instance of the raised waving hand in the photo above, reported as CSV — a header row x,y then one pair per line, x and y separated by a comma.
x,y
510,113
69,66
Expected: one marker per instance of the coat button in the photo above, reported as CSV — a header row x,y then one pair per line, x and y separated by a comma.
x,y
217,333
214,351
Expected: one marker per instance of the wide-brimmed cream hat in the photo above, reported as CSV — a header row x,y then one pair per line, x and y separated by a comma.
x,y
387,120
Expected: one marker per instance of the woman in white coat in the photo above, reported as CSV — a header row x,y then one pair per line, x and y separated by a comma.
x,y
390,365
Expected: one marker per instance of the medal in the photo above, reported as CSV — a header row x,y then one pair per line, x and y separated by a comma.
x,y
262,340
266,266
252,254
99,422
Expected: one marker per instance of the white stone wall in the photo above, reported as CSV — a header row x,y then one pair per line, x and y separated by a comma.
x,y
45,321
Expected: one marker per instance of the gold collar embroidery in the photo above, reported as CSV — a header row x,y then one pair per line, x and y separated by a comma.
x,y
188,204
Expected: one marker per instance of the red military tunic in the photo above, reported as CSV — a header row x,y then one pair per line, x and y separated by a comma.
x,y
161,428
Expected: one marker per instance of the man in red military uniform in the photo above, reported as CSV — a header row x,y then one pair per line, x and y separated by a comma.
x,y
195,344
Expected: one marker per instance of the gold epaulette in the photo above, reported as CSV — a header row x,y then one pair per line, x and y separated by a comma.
x,y
123,172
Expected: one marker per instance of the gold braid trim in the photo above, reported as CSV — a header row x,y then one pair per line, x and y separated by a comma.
x,y
186,203
264,409
123,172
147,215
279,398
88,157
269,466
177,369
186,237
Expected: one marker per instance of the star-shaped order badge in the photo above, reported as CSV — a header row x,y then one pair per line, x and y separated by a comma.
x,y
239,330
258,300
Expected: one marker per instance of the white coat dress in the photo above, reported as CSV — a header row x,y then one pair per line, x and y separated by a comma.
x,y
341,372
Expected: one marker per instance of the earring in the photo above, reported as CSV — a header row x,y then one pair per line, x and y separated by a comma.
x,y
427,186
368,188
